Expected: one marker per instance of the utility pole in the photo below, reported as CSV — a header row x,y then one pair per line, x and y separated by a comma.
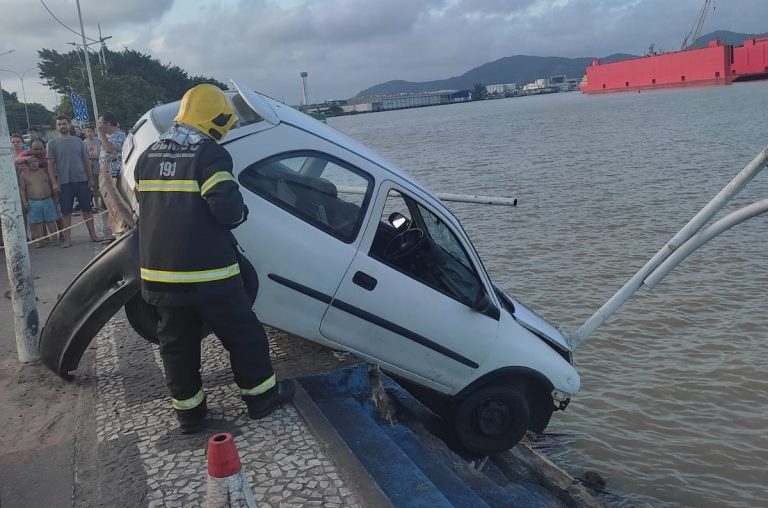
x,y
102,53
88,65
25,317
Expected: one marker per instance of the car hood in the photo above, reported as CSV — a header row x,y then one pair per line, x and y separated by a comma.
x,y
537,324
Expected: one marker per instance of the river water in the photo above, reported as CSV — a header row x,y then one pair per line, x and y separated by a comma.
x,y
673,405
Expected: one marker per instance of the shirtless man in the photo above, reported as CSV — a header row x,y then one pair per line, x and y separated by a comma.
x,y
36,199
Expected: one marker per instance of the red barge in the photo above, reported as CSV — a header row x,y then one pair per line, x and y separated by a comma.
x,y
715,64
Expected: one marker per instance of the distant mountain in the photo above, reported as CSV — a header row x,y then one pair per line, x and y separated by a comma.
x,y
725,37
522,69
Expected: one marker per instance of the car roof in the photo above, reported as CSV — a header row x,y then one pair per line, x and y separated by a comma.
x,y
162,117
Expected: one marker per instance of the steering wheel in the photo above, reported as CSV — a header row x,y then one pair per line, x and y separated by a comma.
x,y
403,244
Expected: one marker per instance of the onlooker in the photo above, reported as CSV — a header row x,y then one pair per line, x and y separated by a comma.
x,y
37,201
93,147
36,148
33,135
70,172
79,132
112,139
17,143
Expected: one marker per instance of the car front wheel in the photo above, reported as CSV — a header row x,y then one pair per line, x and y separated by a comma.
x,y
492,419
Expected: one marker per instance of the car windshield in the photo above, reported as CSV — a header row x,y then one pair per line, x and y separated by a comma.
x,y
163,116
443,237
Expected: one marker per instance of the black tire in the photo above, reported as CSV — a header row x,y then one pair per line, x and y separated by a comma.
x,y
492,419
142,317
541,413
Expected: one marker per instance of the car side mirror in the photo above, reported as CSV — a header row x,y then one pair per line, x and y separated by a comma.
x,y
399,221
484,305
482,302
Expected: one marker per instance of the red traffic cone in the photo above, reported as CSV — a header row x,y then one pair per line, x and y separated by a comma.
x,y
227,486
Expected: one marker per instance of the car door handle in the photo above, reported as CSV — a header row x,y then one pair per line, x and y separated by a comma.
x,y
365,281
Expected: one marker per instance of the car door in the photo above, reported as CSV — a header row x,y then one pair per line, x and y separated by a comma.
x,y
301,234
401,312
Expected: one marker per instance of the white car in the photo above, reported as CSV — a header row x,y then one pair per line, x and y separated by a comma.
x,y
349,251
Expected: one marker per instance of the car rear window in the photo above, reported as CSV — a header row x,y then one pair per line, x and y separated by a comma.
x,y
318,188
162,116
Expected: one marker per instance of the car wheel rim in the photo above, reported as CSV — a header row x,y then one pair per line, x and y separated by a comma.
x,y
492,417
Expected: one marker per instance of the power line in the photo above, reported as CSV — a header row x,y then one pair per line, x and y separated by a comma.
x,y
62,24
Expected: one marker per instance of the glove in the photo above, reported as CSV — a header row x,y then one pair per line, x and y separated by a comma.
x,y
243,219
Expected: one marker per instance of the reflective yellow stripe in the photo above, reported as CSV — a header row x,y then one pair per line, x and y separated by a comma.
x,y
191,403
199,276
168,186
218,177
263,387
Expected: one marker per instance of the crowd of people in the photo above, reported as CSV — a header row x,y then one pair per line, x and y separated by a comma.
x,y
61,177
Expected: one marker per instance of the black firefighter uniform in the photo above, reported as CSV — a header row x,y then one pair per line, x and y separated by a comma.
x,y
188,202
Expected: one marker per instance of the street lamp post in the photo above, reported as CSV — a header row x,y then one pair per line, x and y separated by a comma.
x,y
23,91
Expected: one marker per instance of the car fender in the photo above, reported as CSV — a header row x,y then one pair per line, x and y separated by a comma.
x,y
90,300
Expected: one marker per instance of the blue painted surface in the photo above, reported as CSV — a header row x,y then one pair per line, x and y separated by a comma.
x,y
452,487
397,476
409,472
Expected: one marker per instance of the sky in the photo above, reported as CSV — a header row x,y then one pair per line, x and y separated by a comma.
x,y
349,45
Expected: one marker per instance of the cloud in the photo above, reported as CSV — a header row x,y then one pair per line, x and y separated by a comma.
x,y
114,14
348,45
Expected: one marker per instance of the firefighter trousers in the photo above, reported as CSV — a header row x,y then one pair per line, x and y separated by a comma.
x,y
232,320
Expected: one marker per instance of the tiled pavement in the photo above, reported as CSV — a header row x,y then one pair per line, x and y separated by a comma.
x,y
142,460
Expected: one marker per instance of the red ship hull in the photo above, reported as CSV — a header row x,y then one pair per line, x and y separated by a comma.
x,y
716,64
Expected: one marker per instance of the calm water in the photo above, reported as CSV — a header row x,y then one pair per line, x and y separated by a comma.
x,y
673,406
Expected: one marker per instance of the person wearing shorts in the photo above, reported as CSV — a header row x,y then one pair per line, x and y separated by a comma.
x,y
69,169
36,199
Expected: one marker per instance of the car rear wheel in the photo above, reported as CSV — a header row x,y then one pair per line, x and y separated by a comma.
x,y
492,419
142,317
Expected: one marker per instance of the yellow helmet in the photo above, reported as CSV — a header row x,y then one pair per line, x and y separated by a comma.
x,y
207,109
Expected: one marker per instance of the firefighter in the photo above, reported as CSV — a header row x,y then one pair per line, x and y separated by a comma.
x,y
188,203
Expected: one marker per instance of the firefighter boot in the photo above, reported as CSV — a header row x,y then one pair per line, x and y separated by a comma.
x,y
191,420
260,406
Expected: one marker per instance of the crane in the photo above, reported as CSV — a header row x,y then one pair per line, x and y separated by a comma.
x,y
696,30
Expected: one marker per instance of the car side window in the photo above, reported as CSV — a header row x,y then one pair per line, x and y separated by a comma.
x,y
321,190
415,241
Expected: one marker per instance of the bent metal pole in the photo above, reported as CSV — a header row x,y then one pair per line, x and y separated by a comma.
x,y
445,196
686,233
25,318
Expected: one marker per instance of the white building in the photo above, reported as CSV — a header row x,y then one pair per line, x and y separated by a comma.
x,y
500,89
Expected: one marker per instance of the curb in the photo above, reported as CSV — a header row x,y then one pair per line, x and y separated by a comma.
x,y
360,481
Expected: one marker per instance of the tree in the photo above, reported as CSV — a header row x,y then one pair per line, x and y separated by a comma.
x,y
335,109
478,92
10,98
130,84
17,116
